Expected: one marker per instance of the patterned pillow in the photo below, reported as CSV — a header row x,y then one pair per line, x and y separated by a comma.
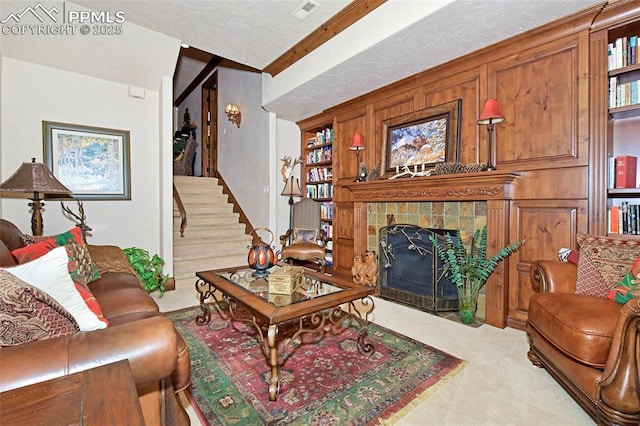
x,y
28,314
603,262
49,273
81,268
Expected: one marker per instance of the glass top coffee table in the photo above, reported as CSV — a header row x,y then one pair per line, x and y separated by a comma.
x,y
318,300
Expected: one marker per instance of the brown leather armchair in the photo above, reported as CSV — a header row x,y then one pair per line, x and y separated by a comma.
x,y
305,241
157,353
590,345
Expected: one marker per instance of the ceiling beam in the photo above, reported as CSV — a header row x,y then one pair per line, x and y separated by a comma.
x,y
325,32
214,62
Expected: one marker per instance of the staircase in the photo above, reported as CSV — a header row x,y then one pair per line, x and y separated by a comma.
x,y
214,237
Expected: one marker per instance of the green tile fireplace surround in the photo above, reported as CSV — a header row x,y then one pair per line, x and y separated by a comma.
x,y
464,216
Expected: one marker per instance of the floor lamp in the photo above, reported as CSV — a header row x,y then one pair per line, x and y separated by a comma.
x,y
35,178
491,115
291,189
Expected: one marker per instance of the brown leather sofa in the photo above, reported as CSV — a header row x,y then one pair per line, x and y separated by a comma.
x,y
590,345
137,331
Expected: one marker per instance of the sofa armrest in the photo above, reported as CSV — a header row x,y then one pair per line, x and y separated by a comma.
x,y
149,344
616,390
553,276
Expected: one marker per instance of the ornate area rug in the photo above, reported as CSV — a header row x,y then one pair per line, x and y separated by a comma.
x,y
324,380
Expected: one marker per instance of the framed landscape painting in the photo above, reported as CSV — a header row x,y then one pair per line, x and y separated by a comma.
x,y
421,139
92,162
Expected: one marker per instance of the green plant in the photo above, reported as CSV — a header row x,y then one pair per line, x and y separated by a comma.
x,y
469,271
149,269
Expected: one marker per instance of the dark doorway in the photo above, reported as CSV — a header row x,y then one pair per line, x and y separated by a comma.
x,y
209,126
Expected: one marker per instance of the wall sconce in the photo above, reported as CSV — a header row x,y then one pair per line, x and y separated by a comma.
x,y
37,179
233,113
491,115
357,145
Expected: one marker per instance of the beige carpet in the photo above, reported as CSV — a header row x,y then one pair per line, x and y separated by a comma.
x,y
498,386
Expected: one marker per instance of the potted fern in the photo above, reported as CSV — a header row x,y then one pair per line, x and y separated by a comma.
x,y
469,271
148,268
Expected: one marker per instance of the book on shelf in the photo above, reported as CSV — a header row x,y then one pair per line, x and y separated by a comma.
x,y
318,174
626,171
624,219
622,52
327,228
611,172
326,211
319,155
622,94
614,220
322,137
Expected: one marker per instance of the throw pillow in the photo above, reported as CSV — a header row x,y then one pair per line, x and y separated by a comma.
x,y
589,281
308,235
628,287
91,302
568,255
82,268
603,262
28,314
49,274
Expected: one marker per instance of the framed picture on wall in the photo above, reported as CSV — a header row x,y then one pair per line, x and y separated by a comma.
x,y
92,162
421,139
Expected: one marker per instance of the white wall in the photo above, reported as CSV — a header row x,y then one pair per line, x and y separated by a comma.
x,y
287,143
243,153
33,93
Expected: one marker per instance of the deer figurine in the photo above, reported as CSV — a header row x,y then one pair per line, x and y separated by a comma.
x,y
80,218
288,164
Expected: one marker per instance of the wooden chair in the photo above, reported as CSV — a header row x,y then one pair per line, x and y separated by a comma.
x,y
306,241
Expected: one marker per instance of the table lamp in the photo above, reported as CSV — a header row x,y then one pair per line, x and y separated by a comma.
x,y
357,145
35,178
291,189
491,115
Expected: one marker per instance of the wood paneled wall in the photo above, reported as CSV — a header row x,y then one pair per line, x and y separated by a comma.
x,y
541,80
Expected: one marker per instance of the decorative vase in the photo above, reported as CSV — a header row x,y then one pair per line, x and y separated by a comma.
x,y
467,305
261,256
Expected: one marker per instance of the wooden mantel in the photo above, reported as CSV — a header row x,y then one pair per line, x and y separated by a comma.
x,y
495,187
482,186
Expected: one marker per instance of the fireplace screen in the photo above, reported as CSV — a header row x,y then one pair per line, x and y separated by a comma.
x,y
411,271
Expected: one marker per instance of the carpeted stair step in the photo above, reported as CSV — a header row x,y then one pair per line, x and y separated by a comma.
x,y
205,220
205,250
214,237
188,268
214,209
204,233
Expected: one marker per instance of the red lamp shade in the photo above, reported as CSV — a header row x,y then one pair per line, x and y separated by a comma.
x,y
357,144
491,113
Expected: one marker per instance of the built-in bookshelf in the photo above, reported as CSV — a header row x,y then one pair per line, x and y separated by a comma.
x,y
623,195
318,178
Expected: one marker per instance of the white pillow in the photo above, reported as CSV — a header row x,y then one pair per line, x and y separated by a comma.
x,y
50,274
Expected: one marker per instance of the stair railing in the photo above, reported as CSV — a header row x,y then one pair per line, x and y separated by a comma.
x,y
236,206
183,212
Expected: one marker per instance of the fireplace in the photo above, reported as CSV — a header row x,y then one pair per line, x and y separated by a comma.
x,y
496,188
410,270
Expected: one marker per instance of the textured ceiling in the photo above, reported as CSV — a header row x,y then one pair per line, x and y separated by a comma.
x,y
395,45
396,40
250,32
